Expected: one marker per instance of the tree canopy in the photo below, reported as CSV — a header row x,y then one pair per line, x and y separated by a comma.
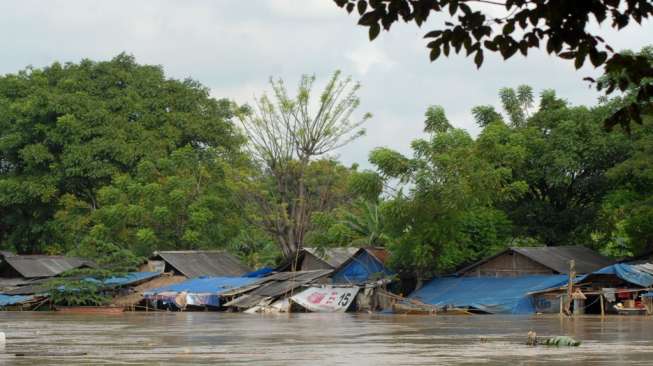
x,y
563,28
285,137
110,146
113,160
543,172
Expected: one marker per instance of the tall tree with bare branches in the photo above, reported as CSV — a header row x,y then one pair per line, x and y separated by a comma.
x,y
286,134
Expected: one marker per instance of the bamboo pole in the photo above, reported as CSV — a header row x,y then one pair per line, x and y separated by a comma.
x,y
602,307
570,285
562,299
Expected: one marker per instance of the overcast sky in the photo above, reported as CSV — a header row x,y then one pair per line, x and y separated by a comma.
x,y
233,47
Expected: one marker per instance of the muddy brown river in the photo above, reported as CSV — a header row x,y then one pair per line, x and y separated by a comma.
x,y
317,339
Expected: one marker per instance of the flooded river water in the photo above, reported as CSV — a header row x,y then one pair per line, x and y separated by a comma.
x,y
317,339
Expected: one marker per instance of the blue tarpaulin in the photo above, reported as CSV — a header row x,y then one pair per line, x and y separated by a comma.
x,y
6,300
360,269
128,279
632,273
262,272
199,291
497,295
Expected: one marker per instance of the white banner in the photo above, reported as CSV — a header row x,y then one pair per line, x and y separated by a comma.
x,y
326,299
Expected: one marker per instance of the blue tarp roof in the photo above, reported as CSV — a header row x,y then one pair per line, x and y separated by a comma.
x,y
262,272
201,291
13,300
361,268
633,273
500,295
128,279
213,285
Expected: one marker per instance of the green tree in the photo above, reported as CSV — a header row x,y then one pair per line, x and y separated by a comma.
x,y
367,225
285,136
178,202
447,215
67,132
568,155
563,28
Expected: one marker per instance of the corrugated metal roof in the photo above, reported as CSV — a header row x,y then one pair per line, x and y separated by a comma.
x,y
333,256
277,285
197,263
284,282
34,266
556,258
130,279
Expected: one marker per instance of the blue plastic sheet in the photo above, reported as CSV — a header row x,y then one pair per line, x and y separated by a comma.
x,y
199,291
629,273
128,279
496,295
133,277
259,272
360,269
6,300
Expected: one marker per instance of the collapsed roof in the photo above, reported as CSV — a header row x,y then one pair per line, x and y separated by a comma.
x,y
272,287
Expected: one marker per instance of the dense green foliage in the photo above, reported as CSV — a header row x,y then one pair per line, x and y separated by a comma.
x,y
69,292
545,175
287,138
112,156
112,160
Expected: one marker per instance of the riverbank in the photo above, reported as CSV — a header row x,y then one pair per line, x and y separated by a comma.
x,y
319,339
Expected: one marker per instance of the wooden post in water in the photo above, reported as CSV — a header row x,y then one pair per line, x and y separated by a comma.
x,y
602,307
570,285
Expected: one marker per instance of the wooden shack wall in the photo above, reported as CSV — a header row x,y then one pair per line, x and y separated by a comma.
x,y
509,264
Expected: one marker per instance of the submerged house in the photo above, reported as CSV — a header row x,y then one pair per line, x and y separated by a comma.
x,y
192,278
366,265
197,263
201,292
350,265
623,288
493,295
521,261
274,288
309,259
510,282
19,271
39,266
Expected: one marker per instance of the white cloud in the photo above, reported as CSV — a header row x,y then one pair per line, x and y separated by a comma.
x,y
233,47
368,56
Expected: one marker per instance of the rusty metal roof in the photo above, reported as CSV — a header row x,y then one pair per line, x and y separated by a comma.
x,y
379,253
35,266
556,258
197,263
